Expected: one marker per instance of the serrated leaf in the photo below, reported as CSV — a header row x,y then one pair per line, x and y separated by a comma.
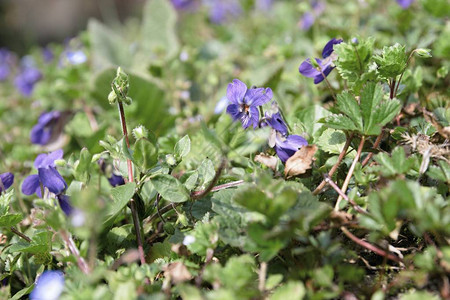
x,y
347,103
206,172
392,61
145,154
182,147
10,220
332,141
170,188
191,182
40,242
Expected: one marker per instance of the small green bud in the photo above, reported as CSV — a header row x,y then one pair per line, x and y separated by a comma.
x,y
60,162
112,98
423,52
128,100
170,159
119,87
140,132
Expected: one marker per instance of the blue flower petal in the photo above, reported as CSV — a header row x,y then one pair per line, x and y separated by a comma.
x,y
307,69
116,180
234,111
6,180
258,96
64,203
40,135
31,185
52,180
236,91
49,286
288,147
48,160
254,116
328,49
276,122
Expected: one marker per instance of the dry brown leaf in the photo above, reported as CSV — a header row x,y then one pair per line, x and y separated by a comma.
x,y
300,162
177,272
267,160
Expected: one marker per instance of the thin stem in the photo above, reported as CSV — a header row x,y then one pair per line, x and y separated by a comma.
x,y
134,213
171,206
392,89
341,193
403,72
203,193
262,277
20,234
336,165
370,247
328,84
375,146
73,248
350,172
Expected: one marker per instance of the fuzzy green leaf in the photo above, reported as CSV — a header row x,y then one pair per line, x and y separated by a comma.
x,y
170,188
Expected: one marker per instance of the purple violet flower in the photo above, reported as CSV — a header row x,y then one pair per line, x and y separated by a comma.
x,y
245,102
277,123
325,65
64,203
41,133
76,57
49,286
309,17
286,147
405,3
221,10
6,62
184,4
116,180
6,180
47,54
47,175
26,80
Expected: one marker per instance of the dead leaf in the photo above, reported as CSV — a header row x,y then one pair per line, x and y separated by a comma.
x,y
177,272
267,160
300,162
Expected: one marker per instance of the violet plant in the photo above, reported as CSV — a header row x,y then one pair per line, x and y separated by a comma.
x,y
284,189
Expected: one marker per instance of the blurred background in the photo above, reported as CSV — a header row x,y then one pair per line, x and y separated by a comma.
x,y
25,23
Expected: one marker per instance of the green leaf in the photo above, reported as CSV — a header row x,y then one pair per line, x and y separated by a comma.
x,y
170,188
10,220
145,154
83,166
294,290
394,165
158,28
310,117
79,126
206,172
353,61
22,292
440,172
121,196
40,242
254,199
347,103
332,141
205,237
107,47
392,61
182,147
